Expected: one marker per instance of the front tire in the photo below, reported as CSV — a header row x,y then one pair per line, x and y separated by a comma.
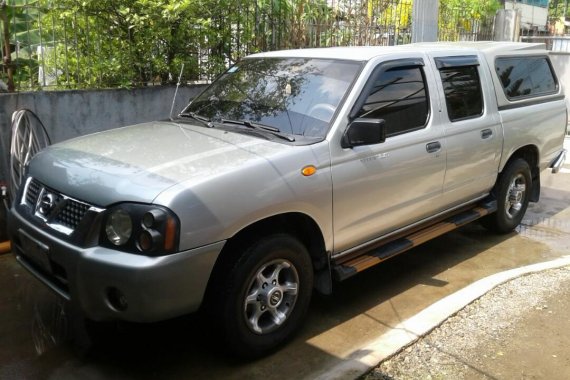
x,y
266,295
512,192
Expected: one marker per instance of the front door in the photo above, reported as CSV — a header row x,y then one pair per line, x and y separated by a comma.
x,y
380,188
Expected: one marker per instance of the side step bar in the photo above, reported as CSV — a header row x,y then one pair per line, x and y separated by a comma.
x,y
346,269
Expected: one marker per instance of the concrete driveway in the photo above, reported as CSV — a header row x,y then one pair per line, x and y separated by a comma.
x,y
41,338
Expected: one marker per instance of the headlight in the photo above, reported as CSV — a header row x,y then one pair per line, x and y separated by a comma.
x,y
139,228
119,227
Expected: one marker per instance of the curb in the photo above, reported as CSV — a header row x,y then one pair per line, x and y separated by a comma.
x,y
5,247
406,333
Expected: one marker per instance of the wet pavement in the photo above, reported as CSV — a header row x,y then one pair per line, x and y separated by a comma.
x,y
41,338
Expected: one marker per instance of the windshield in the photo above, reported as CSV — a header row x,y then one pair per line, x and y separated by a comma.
x,y
295,95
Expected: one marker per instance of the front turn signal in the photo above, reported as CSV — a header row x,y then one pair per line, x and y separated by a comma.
x,y
308,170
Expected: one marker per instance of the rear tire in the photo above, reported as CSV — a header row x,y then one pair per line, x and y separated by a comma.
x,y
265,295
512,192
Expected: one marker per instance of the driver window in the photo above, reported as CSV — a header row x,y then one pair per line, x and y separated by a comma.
x,y
399,97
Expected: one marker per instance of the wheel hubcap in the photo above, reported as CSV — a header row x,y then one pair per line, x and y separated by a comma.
x,y
275,298
515,196
271,296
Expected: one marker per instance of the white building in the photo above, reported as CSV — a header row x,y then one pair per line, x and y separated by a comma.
x,y
533,13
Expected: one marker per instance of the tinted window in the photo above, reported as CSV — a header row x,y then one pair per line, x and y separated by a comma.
x,y
525,76
399,97
462,92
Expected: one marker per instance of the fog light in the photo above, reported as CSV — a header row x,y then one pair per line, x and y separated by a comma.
x,y
149,240
117,299
153,217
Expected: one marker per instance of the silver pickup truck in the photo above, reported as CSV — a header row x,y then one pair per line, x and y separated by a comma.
x,y
292,170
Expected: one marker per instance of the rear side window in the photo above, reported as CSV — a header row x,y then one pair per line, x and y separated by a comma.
x,y
525,76
462,89
399,97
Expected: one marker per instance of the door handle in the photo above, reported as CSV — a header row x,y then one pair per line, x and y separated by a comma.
x,y
486,133
433,147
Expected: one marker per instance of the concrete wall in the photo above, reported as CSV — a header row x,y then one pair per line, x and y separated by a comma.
x,y
68,114
507,25
424,20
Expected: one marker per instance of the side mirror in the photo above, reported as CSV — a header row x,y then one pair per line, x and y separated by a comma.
x,y
364,132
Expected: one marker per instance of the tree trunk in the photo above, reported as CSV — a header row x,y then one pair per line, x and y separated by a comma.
x,y
7,53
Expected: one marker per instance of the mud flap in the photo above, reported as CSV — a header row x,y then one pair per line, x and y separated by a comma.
x,y
535,191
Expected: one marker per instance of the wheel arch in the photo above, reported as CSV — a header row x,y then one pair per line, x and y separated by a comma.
x,y
531,155
297,224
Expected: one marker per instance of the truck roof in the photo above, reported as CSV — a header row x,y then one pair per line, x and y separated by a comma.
x,y
365,53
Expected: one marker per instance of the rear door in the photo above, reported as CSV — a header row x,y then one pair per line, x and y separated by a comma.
x,y
382,187
471,124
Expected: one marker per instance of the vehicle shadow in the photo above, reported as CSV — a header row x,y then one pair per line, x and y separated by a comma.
x,y
361,308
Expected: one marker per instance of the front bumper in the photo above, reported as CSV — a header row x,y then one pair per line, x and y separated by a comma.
x,y
150,288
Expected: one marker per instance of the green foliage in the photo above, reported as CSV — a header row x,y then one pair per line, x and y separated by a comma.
x,y
132,42
465,18
476,9
126,43
558,8
24,36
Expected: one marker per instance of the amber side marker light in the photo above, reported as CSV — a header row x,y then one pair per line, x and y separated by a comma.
x,y
170,235
309,170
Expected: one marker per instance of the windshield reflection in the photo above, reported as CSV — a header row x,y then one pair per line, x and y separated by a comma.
x,y
295,95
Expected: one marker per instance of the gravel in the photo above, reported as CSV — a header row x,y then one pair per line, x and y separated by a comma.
x,y
476,336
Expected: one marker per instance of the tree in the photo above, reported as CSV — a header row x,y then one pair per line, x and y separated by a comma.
x,y
119,43
126,43
20,36
465,18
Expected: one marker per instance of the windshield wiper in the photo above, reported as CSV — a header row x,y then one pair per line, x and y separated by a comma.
x,y
206,121
260,127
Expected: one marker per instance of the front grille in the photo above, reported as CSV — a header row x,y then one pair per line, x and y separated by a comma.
x,y
72,214
33,192
57,210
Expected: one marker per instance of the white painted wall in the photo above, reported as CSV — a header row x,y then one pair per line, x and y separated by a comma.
x,y
561,63
530,15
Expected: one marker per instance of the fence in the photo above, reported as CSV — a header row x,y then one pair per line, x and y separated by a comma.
x,y
67,44
463,24
555,44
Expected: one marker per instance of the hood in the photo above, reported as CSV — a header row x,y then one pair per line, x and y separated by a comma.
x,y
138,162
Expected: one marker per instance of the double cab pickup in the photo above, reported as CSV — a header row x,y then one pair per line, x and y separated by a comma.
x,y
292,170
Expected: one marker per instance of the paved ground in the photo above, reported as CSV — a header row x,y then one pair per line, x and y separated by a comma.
x,y
42,339
517,331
